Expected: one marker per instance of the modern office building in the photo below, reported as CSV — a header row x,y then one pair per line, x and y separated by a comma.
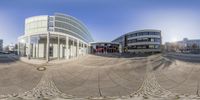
x,y
141,41
186,45
1,45
54,37
104,47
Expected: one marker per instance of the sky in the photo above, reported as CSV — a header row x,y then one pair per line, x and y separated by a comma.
x,y
108,19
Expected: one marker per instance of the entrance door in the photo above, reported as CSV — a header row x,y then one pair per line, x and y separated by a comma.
x,y
51,52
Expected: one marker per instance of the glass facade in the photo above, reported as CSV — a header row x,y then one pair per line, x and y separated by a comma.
x,y
70,25
23,47
142,34
141,41
54,37
144,40
36,24
38,46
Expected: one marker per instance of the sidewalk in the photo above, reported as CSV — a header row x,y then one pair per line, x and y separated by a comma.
x,y
42,61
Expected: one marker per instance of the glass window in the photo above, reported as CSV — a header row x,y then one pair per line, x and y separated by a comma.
x,y
152,40
50,24
50,18
157,46
151,33
145,33
157,33
151,46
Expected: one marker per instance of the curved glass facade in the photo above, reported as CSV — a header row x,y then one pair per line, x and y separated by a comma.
x,y
36,24
54,37
58,23
70,25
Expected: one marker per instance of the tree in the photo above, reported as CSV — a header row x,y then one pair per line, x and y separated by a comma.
x,y
194,46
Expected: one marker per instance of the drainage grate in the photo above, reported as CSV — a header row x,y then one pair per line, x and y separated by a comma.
x,y
41,68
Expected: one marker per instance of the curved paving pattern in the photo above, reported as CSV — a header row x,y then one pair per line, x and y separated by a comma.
x,y
16,77
100,76
180,77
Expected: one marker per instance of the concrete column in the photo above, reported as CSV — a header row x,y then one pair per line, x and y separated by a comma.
x,y
67,46
18,49
38,49
47,47
58,47
86,49
29,47
73,47
77,48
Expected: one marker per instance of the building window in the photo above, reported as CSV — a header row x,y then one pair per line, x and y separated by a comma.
x,y
152,40
157,46
151,33
50,24
151,46
145,33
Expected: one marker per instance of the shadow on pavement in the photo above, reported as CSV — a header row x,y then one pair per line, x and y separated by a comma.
x,y
7,58
122,55
166,63
184,58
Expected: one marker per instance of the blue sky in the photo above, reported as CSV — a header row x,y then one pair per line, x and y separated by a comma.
x,y
108,19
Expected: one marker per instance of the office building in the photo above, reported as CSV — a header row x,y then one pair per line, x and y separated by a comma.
x,y
184,46
141,41
54,37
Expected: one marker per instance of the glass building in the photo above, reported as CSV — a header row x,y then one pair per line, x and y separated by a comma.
x,y
148,40
54,37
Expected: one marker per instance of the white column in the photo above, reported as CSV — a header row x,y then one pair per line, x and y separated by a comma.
x,y
58,47
38,49
18,49
73,47
29,47
47,47
67,46
77,48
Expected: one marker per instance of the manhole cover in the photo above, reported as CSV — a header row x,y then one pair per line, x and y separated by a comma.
x,y
41,68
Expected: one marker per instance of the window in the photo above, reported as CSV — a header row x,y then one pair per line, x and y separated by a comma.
x,y
50,18
152,40
145,33
157,33
151,46
157,40
151,33
157,46
50,24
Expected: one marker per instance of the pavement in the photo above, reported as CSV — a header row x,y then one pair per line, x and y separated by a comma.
x,y
17,77
101,77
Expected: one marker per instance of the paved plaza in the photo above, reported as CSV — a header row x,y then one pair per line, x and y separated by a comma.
x,y
101,76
